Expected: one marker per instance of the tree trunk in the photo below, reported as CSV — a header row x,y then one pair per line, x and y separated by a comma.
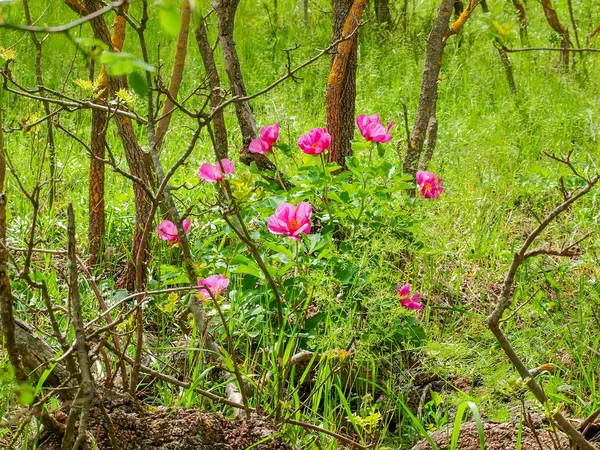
x,y
305,9
50,129
208,58
507,69
428,95
560,29
133,152
522,13
7,318
176,74
382,12
432,129
97,220
341,84
459,7
225,10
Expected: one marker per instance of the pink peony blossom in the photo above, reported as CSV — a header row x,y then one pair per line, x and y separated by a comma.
x,y
372,130
213,285
211,173
167,231
430,185
315,141
268,137
406,300
291,221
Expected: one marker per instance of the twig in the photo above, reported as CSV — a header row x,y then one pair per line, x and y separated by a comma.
x,y
68,26
85,395
505,300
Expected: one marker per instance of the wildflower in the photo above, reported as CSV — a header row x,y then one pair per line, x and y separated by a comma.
x,y
291,221
268,136
372,130
167,231
405,298
315,141
429,184
211,173
212,286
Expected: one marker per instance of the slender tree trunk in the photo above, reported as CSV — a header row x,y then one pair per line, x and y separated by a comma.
x,y
40,81
428,95
6,298
97,216
208,58
134,154
305,9
176,74
225,10
459,7
405,17
382,12
560,29
341,84
522,13
484,6
432,129
507,69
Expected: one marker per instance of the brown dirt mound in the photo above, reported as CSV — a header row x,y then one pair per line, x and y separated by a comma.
x,y
137,428
498,436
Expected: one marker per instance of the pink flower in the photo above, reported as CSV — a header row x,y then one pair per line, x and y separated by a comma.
x,y
430,185
167,231
213,285
211,173
315,141
268,136
372,130
291,221
406,300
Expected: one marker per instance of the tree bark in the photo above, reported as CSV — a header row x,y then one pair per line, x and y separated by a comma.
x,y
428,95
50,129
382,12
522,13
7,318
341,84
97,217
432,129
134,154
560,29
176,74
507,69
225,10
208,59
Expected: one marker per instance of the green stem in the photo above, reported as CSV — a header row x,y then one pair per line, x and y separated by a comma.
x,y
326,188
277,171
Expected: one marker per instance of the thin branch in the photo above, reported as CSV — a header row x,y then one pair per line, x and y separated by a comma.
x,y
68,26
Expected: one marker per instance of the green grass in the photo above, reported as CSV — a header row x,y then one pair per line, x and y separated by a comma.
x,y
489,154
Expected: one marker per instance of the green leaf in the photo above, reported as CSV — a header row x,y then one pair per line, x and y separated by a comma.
x,y
93,47
254,168
285,149
170,20
458,420
244,265
380,150
138,83
279,249
119,63
358,145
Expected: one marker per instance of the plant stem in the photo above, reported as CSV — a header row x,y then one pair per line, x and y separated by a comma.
x,y
326,188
